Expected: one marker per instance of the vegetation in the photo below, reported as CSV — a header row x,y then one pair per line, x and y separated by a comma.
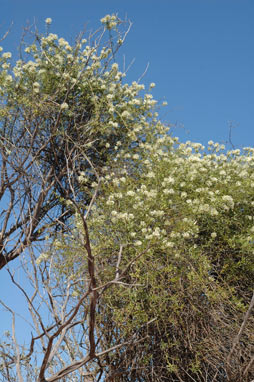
x,y
145,269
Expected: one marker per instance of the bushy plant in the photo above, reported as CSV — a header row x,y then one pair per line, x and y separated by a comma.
x,y
175,223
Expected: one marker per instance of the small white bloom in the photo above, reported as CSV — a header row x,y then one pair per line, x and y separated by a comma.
x,y
169,244
213,211
114,66
43,257
130,193
64,106
150,174
6,55
116,182
48,20
110,202
8,78
125,114
213,235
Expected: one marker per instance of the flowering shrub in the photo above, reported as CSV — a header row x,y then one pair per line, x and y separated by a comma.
x,y
171,225
183,215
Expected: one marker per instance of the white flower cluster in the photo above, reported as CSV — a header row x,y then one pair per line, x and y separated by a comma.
x,y
52,67
43,257
179,195
110,21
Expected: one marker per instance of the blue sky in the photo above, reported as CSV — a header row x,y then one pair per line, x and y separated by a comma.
x,y
200,55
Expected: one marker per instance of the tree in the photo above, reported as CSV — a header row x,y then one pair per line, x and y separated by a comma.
x,y
64,113
147,270
63,110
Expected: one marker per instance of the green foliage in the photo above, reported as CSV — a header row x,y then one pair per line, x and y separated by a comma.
x,y
184,218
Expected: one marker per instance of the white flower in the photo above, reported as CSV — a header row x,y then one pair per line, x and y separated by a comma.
x,y
169,244
125,114
116,182
48,20
213,235
213,211
62,42
114,66
130,193
6,55
229,199
43,257
168,180
150,174
64,106
138,243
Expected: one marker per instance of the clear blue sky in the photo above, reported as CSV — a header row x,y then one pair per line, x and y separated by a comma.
x,y
200,53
